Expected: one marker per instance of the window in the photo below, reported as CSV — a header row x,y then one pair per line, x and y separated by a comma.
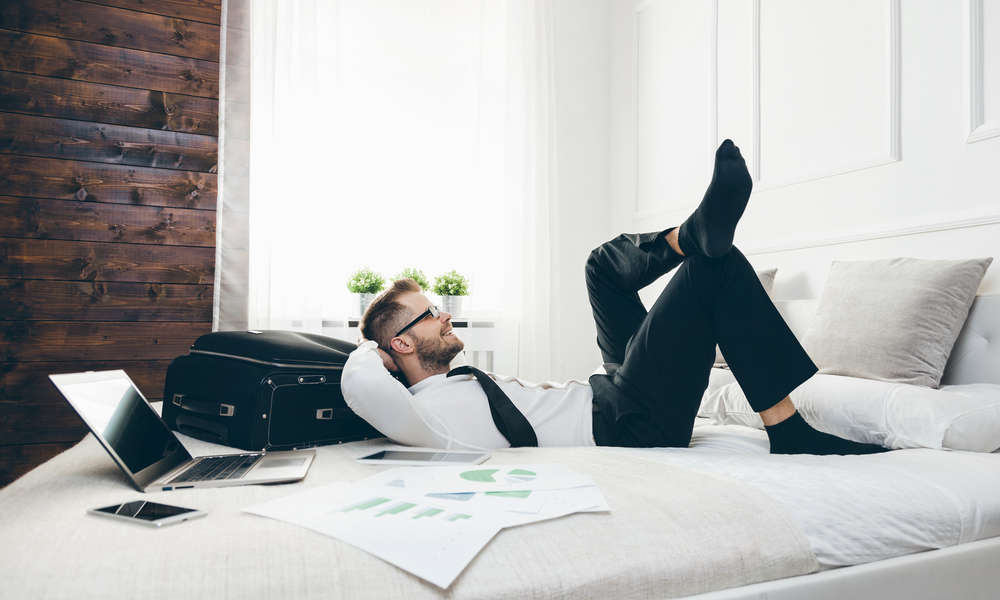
x,y
395,134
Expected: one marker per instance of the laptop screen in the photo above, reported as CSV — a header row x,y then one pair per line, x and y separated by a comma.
x,y
116,412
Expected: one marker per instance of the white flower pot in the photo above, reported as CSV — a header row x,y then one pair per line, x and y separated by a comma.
x,y
361,302
452,305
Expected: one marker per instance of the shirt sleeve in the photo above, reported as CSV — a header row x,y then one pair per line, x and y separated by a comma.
x,y
378,398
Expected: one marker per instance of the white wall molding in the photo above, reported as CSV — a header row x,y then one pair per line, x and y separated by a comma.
x,y
644,213
893,143
978,129
715,71
972,219
755,173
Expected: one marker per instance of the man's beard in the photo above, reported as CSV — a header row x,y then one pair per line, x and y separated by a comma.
x,y
436,353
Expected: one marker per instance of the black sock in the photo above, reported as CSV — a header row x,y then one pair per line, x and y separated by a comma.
x,y
710,229
795,436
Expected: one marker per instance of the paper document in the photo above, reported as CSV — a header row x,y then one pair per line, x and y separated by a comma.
x,y
433,542
518,507
481,478
432,521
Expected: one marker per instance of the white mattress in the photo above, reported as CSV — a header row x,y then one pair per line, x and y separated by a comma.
x,y
658,541
856,509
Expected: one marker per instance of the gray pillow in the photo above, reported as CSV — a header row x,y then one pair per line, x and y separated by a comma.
x,y
892,320
767,280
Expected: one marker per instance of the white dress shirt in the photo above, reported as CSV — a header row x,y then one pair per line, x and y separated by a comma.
x,y
453,412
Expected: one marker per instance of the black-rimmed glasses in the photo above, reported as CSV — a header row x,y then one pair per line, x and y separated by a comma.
x,y
432,310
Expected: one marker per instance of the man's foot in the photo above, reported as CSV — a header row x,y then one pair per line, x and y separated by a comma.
x,y
795,436
710,229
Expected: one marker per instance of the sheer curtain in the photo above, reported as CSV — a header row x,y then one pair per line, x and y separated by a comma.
x,y
396,134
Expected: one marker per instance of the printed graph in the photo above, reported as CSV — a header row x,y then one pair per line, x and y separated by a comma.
x,y
511,477
386,508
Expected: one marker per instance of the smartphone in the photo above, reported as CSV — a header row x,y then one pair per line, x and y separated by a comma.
x,y
424,458
147,513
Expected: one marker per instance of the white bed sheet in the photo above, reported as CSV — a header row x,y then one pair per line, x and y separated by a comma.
x,y
856,509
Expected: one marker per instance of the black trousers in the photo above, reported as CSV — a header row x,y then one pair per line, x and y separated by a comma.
x,y
659,362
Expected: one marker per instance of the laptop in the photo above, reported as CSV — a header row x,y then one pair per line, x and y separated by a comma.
x,y
147,450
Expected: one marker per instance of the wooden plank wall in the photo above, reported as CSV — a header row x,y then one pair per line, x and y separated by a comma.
x,y
108,158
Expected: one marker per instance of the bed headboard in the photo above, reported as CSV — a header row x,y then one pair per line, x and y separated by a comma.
x,y
975,357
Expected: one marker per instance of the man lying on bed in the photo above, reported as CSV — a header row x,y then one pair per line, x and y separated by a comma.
x,y
657,363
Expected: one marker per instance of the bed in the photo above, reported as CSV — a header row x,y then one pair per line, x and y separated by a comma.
x,y
719,520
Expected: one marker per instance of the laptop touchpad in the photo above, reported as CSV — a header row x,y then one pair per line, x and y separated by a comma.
x,y
271,463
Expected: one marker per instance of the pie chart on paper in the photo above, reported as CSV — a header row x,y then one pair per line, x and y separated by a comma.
x,y
512,477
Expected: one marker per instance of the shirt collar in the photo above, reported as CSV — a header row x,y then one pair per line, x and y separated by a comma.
x,y
416,387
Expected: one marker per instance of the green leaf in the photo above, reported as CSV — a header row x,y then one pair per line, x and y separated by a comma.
x,y
451,284
416,275
365,281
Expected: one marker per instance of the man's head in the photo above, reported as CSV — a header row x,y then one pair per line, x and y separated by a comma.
x,y
428,344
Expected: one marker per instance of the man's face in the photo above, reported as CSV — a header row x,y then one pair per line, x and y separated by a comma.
x,y
434,340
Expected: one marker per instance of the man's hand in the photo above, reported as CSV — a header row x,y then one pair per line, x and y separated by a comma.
x,y
387,362
390,364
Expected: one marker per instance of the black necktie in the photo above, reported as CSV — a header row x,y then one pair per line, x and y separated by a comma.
x,y
509,421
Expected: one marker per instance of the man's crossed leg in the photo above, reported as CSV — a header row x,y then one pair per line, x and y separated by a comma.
x,y
659,362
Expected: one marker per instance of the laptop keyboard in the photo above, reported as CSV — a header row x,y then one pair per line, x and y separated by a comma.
x,y
214,468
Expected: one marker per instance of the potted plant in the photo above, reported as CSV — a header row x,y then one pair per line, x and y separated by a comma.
x,y
451,287
416,275
364,284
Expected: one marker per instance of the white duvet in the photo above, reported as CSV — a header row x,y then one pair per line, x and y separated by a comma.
x,y
857,509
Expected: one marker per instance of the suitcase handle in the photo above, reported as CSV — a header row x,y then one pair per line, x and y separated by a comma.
x,y
327,414
200,429
205,408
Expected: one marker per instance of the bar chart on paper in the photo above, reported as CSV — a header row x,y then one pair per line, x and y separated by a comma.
x,y
431,541
381,507
432,521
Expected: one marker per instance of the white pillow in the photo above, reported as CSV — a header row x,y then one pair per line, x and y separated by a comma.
x,y
892,320
766,277
957,417
725,403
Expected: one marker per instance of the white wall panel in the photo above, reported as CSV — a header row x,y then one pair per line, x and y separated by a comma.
x,y
675,116
582,55
827,88
940,199
991,61
983,69
738,77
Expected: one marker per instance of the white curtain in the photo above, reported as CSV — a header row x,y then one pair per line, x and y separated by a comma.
x,y
396,134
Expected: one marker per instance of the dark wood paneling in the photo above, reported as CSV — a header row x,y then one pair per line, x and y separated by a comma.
x,y
16,461
102,221
28,383
65,341
39,423
97,222
101,261
193,10
111,26
97,182
45,137
83,61
99,103
27,300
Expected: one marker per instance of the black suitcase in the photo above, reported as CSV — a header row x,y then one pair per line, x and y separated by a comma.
x,y
262,390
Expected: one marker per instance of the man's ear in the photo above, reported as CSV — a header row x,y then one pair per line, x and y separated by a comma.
x,y
401,345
